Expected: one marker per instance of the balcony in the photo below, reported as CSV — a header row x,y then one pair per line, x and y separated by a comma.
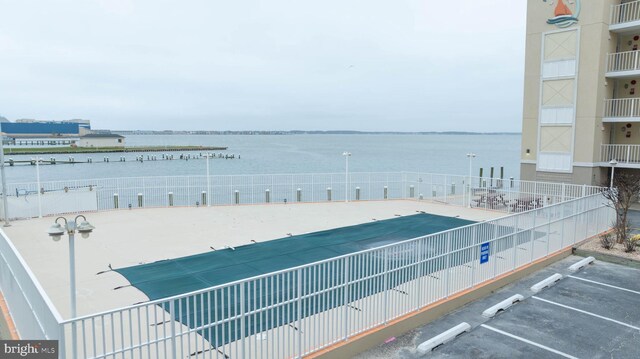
x,y
622,110
623,64
628,156
625,17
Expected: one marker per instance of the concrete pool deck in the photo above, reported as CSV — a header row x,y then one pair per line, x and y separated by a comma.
x,y
130,237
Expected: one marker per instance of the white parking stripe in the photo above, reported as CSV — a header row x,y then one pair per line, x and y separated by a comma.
x,y
528,341
604,284
585,312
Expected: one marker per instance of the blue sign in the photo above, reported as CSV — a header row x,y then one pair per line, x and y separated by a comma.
x,y
484,253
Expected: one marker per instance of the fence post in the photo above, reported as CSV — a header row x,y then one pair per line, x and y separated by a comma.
x,y
386,192
448,265
385,284
475,253
173,329
445,189
346,298
533,233
242,321
548,234
515,243
299,319
420,273
116,201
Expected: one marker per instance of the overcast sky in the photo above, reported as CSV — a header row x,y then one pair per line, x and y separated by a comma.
x,y
380,65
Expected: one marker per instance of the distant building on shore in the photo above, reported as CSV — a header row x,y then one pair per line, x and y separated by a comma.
x,y
101,140
76,133
23,128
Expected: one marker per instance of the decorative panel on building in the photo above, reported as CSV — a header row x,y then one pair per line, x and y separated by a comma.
x,y
557,100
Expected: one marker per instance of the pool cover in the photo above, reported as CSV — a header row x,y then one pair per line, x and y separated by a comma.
x,y
182,275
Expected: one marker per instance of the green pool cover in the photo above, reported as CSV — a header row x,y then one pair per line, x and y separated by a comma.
x,y
182,275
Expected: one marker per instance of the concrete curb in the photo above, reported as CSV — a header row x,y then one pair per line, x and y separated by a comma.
x,y
607,258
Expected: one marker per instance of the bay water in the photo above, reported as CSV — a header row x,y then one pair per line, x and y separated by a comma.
x,y
277,154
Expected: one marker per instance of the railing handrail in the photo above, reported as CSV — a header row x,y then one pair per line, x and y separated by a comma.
x,y
271,274
617,8
618,145
339,174
622,99
32,277
611,54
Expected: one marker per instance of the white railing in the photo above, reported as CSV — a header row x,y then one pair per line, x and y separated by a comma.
x,y
30,308
622,13
622,108
623,61
59,197
297,311
623,154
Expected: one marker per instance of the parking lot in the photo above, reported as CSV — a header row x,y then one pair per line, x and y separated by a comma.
x,y
591,313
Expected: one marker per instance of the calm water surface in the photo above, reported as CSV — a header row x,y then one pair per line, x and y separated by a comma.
x,y
295,154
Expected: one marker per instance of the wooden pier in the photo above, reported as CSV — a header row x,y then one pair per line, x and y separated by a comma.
x,y
105,159
72,150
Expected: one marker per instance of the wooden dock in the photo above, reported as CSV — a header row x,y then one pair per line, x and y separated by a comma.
x,y
105,159
87,150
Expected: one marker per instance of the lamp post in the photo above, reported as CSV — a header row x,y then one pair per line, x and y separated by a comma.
x,y
56,231
346,175
38,159
5,205
208,182
613,164
470,156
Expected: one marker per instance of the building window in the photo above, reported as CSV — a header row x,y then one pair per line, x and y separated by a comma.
x,y
119,140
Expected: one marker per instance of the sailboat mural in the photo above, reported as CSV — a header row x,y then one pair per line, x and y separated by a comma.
x,y
563,16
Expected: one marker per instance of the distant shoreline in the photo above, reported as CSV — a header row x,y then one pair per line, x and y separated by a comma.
x,y
297,132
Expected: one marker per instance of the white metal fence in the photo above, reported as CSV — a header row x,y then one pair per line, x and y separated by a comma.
x,y
31,309
300,310
627,12
59,197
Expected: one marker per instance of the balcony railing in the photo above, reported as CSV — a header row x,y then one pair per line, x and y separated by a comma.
x,y
624,109
623,154
623,62
625,13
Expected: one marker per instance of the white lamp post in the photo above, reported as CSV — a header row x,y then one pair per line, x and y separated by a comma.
x,y
208,182
5,205
470,156
56,231
346,175
613,164
38,159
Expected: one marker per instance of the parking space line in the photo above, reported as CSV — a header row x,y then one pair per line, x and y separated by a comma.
x,y
528,341
585,312
604,284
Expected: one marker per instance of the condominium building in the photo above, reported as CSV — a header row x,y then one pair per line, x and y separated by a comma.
x,y
581,90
